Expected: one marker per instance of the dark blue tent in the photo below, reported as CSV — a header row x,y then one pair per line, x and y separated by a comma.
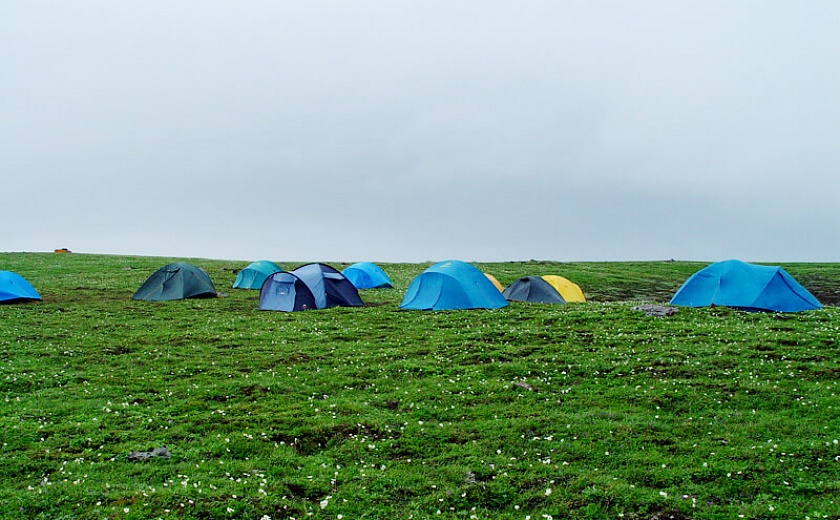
x,y
452,285
253,276
532,289
311,286
366,275
15,289
176,281
740,285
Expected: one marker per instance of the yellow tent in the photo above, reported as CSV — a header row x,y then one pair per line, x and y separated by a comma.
x,y
567,289
495,282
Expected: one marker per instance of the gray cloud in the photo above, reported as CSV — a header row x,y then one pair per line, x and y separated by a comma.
x,y
422,130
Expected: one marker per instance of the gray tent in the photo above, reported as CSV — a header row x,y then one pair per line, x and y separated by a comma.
x,y
532,289
175,282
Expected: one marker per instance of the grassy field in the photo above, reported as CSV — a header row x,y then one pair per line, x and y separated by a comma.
x,y
590,410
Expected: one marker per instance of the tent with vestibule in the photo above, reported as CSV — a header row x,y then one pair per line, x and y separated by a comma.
x,y
452,284
737,284
310,286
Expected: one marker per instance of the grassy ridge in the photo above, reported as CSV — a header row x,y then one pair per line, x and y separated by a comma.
x,y
581,411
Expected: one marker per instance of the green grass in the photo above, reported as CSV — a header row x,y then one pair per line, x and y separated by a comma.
x,y
586,410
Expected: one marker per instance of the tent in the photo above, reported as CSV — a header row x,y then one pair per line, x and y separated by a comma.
x,y
253,276
452,284
15,289
494,281
532,289
284,291
737,284
365,275
567,289
176,281
311,286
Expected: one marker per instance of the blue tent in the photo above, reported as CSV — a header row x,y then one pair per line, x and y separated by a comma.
x,y
311,286
365,275
740,285
14,288
532,289
452,285
284,291
176,281
253,276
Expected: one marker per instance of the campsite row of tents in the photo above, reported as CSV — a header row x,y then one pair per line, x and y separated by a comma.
x,y
452,284
446,285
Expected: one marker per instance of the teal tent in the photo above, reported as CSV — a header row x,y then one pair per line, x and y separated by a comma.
x,y
366,275
253,276
737,284
452,285
176,281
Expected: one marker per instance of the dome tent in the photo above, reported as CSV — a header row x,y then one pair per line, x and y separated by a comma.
x,y
311,286
15,289
176,281
253,276
737,284
366,275
452,284
532,289
567,289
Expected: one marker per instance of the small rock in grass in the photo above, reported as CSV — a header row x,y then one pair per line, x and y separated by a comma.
x,y
655,310
142,456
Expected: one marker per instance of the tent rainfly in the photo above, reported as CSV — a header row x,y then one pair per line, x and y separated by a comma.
x,y
176,281
367,275
311,286
253,276
737,284
15,289
569,290
452,284
532,289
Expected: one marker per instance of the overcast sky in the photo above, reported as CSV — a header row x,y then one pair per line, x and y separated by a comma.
x,y
422,130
